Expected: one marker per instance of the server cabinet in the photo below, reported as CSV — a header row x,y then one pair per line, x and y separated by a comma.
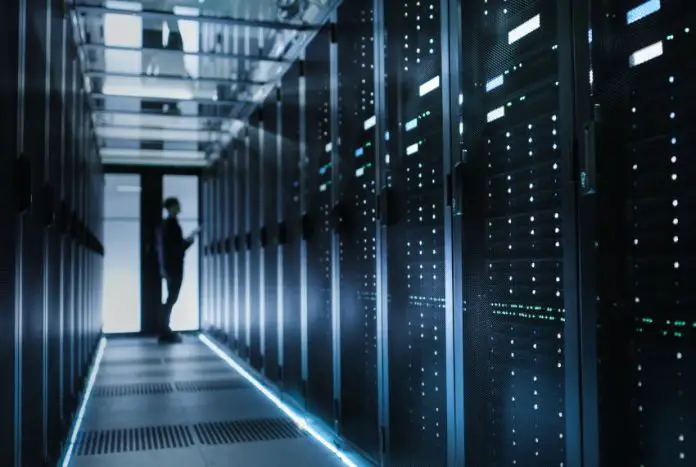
x,y
225,204
355,222
317,226
412,209
290,234
53,194
254,244
32,239
269,234
11,195
216,258
205,261
518,239
244,245
637,219
236,309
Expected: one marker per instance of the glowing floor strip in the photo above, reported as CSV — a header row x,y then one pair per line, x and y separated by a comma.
x,y
83,405
295,417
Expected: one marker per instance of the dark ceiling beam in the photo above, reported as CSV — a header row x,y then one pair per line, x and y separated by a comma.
x,y
212,55
115,74
98,95
225,21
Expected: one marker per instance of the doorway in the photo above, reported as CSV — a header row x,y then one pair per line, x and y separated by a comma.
x,y
133,289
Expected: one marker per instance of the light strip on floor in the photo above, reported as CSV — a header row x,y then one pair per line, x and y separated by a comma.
x,y
83,405
294,416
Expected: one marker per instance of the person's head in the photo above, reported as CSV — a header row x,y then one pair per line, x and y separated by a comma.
x,y
172,206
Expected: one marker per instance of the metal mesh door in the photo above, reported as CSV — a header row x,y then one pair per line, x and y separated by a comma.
x,y
319,233
415,236
640,79
290,233
356,223
254,229
513,296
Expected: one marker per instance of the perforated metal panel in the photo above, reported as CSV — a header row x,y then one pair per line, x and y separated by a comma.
x,y
415,251
290,232
92,443
254,232
246,431
242,246
357,225
270,235
318,189
514,296
642,85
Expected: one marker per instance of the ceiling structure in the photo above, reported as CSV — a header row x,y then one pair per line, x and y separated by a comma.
x,y
172,81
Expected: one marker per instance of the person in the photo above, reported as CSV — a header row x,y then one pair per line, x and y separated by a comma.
x,y
171,249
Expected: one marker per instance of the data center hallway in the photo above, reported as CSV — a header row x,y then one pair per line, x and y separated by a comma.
x,y
183,405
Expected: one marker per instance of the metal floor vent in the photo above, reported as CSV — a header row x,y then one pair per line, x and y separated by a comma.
x,y
205,357
134,389
133,361
151,438
246,431
211,385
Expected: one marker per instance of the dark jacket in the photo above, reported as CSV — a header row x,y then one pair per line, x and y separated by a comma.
x,y
171,248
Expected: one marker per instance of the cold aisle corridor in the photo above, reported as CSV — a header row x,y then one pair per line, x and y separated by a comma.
x,y
184,406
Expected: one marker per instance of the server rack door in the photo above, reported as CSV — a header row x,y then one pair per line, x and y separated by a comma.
x,y
243,246
53,193
514,225
254,229
224,248
9,194
269,234
413,211
318,234
291,233
236,308
216,259
32,243
220,261
640,178
205,205
355,220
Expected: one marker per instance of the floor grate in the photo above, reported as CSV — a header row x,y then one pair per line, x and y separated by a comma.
x,y
133,361
246,431
135,389
152,438
206,357
211,385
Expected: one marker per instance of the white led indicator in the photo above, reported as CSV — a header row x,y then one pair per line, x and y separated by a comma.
x,y
370,122
328,147
412,149
495,83
643,10
495,114
428,86
411,124
645,54
524,29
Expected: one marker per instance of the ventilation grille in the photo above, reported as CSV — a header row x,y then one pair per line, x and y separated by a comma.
x,y
142,389
132,361
207,357
136,389
246,431
153,438
211,385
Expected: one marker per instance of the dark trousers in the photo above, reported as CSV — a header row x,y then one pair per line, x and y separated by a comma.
x,y
173,288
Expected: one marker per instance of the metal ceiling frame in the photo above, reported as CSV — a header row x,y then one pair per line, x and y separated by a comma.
x,y
156,128
116,74
211,102
212,55
225,21
148,114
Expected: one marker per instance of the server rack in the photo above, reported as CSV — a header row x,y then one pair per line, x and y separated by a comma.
x,y
254,279
291,233
355,222
269,233
318,189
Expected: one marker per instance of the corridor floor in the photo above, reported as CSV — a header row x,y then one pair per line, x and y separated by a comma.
x,y
182,405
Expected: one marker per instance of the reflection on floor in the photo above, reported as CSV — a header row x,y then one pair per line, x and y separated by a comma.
x,y
182,405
